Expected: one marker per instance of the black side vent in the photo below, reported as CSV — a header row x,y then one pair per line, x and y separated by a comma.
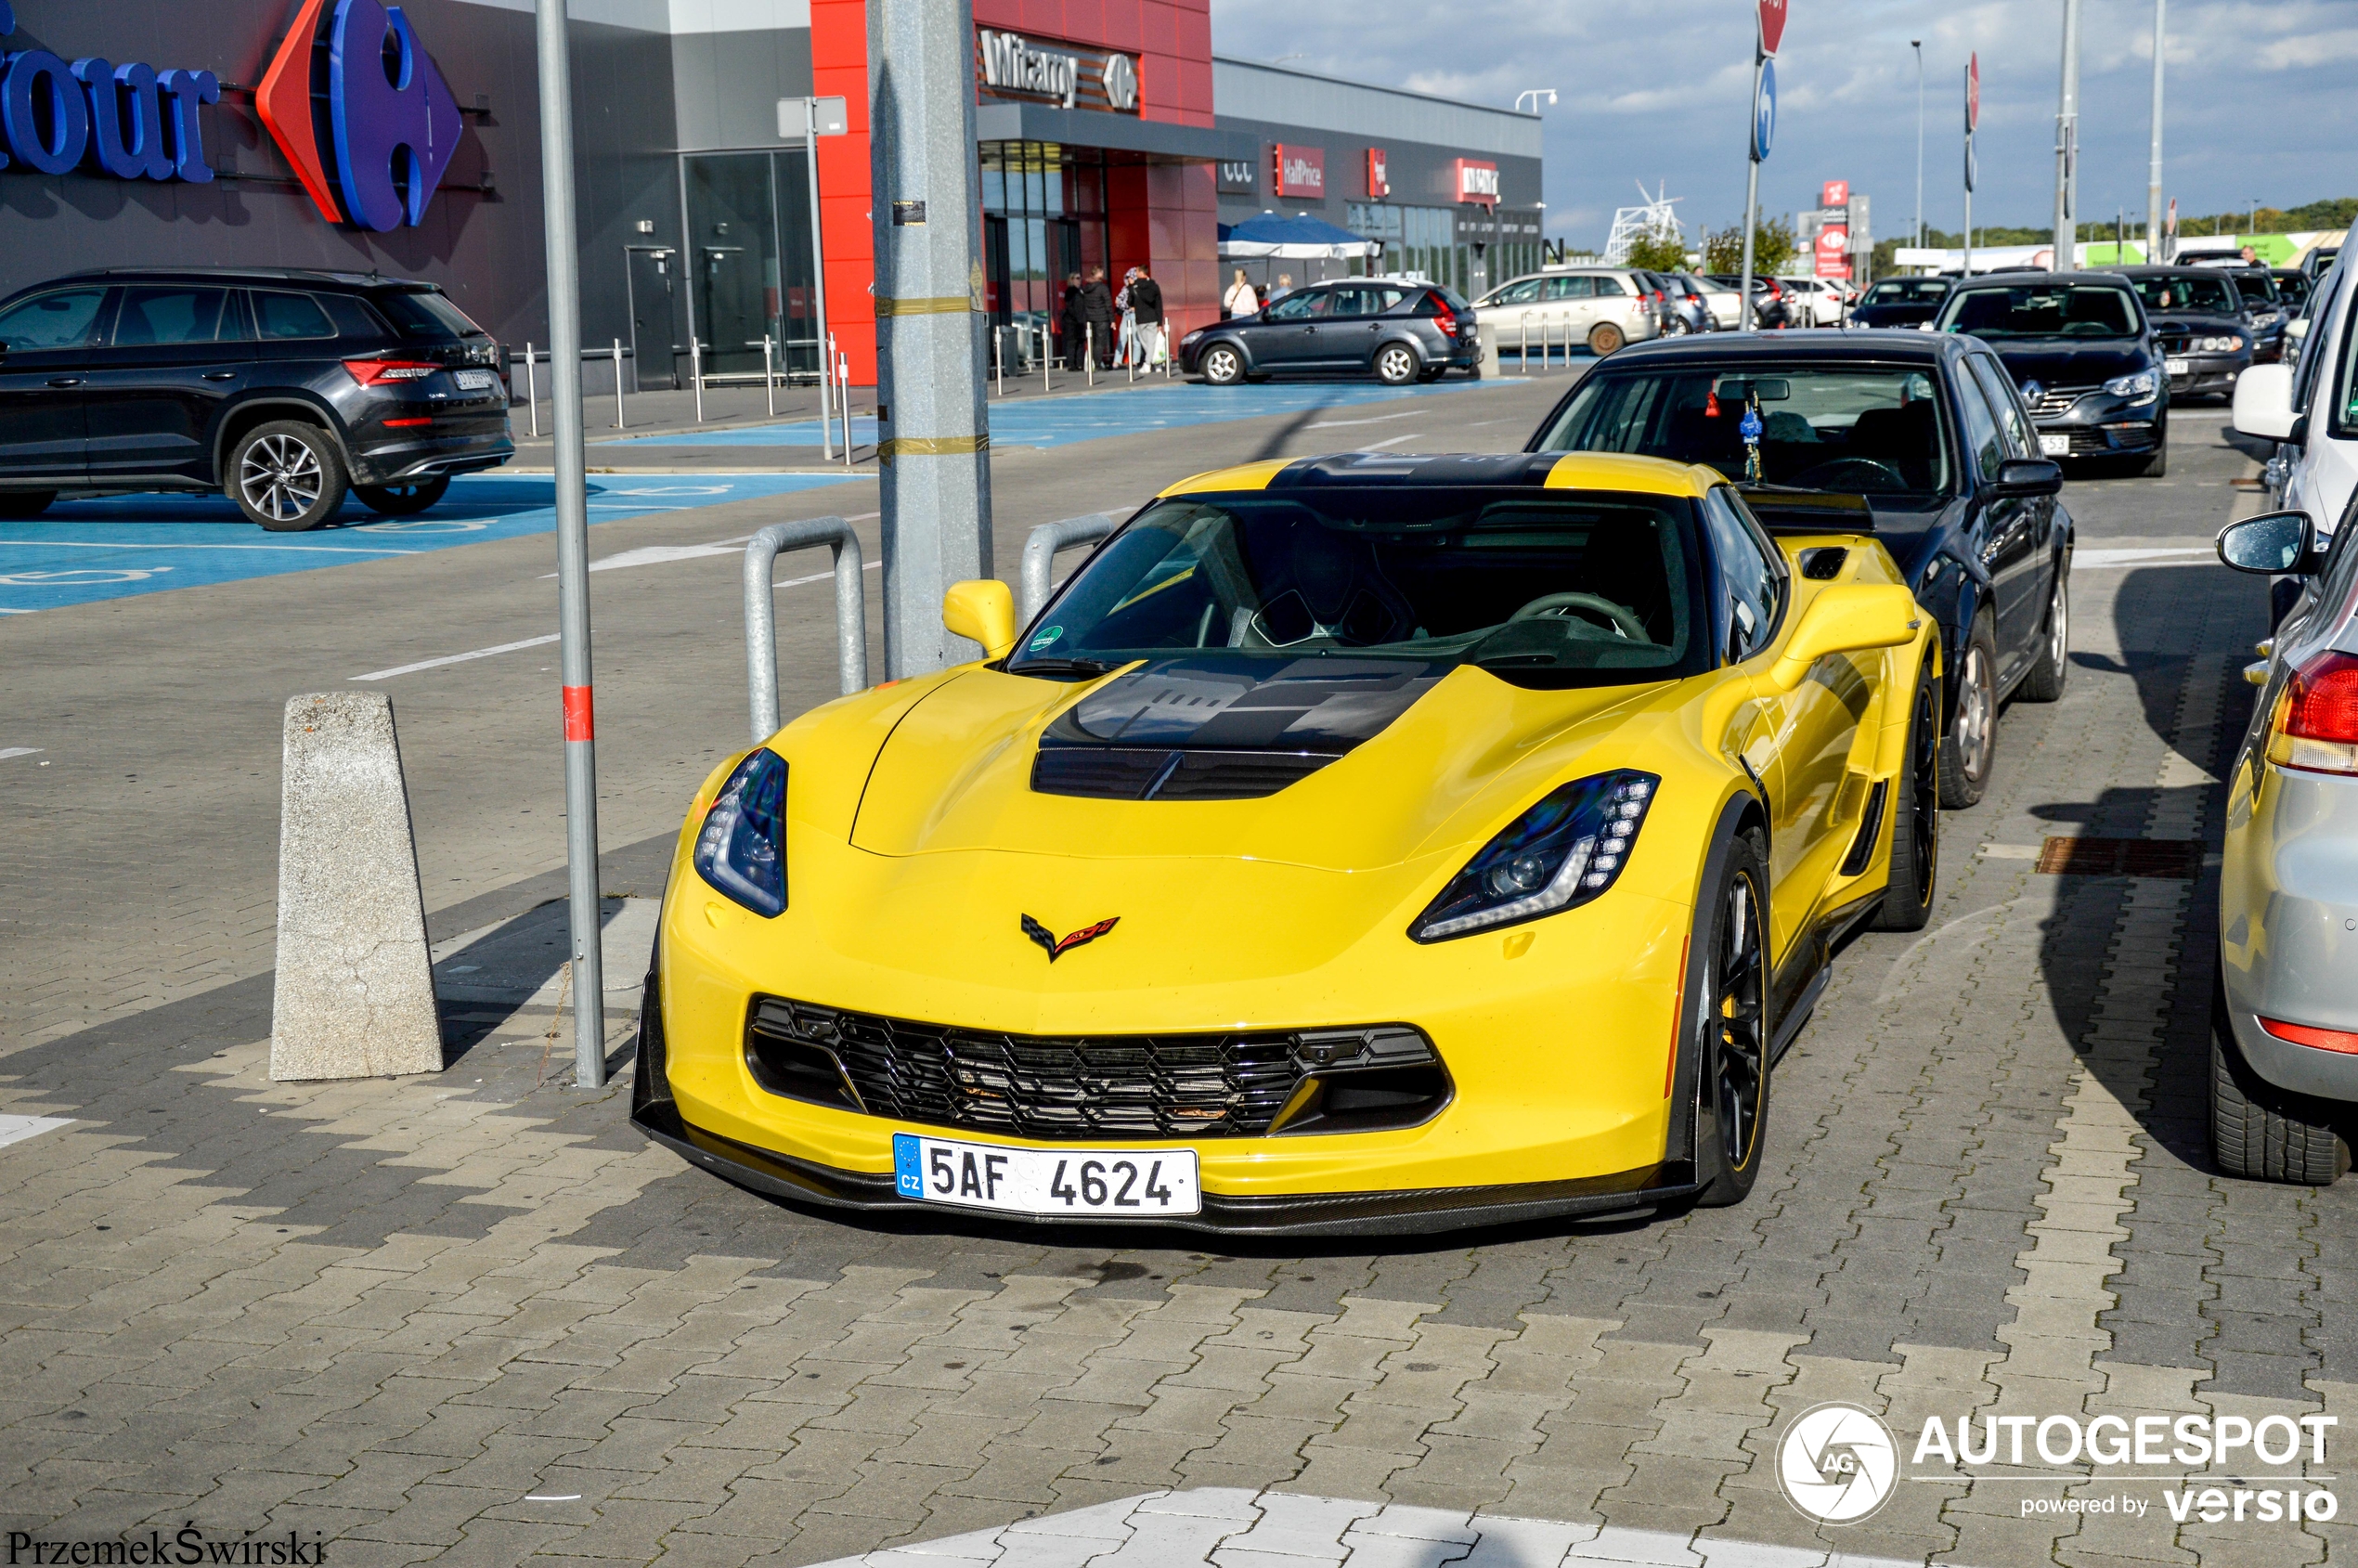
x,y
1141,774
1862,849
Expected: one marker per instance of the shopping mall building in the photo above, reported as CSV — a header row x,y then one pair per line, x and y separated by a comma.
x,y
342,134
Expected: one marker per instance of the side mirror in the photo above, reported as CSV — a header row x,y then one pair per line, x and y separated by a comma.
x,y
1847,618
982,610
2272,543
2296,329
2029,476
2263,402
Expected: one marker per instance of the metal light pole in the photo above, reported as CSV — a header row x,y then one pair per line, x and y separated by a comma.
x,y
2067,145
573,542
932,378
1918,45
2153,172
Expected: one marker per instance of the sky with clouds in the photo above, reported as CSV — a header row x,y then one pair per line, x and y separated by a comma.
x,y
2260,99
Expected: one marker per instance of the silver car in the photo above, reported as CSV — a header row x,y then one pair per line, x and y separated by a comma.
x,y
2284,1079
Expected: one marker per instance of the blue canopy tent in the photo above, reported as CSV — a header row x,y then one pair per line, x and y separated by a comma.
x,y
1269,237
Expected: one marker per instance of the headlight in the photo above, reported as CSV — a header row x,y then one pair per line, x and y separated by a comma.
x,y
2218,345
2138,387
742,847
1565,850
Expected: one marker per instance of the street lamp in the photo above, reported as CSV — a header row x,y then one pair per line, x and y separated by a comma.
x,y
1918,45
1534,94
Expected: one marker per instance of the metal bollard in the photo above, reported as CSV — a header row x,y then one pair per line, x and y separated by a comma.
x,y
1040,549
1089,352
826,399
999,360
531,391
620,423
696,371
768,377
1523,353
761,613
843,384
1044,350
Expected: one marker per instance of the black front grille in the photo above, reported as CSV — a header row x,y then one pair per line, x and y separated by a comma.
x,y
1095,1086
1107,773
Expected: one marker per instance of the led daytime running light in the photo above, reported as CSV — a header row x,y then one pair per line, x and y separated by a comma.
x,y
1566,850
740,848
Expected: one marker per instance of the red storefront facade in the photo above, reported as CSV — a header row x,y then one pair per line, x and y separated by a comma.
x,y
1124,186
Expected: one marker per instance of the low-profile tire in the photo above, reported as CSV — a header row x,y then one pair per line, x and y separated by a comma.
x,y
2157,465
1729,1014
1397,364
18,506
1605,338
1224,365
2052,667
286,475
403,500
1970,755
1916,813
2259,1131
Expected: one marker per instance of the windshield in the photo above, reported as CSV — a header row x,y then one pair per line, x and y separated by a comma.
x,y
430,316
2042,310
2195,291
1564,590
2258,287
1852,429
1908,291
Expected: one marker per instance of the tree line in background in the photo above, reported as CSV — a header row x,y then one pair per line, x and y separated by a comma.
x,y
1723,250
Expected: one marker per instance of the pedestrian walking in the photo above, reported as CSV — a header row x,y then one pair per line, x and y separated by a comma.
x,y
1096,316
1240,299
1145,304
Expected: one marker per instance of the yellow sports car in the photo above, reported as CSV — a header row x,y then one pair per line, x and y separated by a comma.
x,y
1358,843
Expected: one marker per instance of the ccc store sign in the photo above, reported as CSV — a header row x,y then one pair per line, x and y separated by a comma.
x,y
369,150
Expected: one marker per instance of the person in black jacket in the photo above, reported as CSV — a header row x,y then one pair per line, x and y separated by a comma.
x,y
1096,316
1068,324
1146,308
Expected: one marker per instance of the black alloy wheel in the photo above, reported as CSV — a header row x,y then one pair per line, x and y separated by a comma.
x,y
403,500
1732,1078
1915,832
19,506
1223,364
2048,673
1972,752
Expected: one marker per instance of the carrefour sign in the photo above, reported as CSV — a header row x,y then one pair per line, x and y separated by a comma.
x,y
369,151
129,121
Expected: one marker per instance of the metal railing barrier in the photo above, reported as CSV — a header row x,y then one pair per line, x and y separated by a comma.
x,y
761,612
1040,549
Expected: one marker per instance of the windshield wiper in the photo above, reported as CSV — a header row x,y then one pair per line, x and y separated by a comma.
x,y
1059,666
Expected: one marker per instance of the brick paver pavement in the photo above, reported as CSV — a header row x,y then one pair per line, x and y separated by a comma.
x,y
477,1318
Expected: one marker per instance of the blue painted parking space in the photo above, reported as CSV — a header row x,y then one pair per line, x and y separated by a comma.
x,y
79,552
1060,422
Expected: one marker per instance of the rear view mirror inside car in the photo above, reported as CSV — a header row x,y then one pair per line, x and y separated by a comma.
x,y
1743,389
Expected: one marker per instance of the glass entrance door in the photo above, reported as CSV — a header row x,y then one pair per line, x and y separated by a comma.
x,y
748,265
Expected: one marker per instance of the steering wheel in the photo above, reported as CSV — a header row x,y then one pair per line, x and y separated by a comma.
x,y
1622,621
1830,475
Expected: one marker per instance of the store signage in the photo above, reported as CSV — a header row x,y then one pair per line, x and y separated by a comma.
x,y
1008,65
1300,171
1477,182
370,150
1834,251
130,121
1378,174
1834,193
1238,176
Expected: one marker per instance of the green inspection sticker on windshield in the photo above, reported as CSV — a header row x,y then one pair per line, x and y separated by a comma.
x,y
1045,640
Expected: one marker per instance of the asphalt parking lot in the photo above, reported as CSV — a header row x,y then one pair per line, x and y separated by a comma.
x,y
478,1318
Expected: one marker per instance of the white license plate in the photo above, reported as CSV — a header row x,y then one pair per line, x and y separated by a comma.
x,y
476,380
2054,446
2177,367
1103,1183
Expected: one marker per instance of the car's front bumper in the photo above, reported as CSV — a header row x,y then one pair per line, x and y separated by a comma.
x,y
2101,425
2207,374
2288,922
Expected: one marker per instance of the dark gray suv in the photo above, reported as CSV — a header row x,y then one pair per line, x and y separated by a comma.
x,y
285,390
1400,331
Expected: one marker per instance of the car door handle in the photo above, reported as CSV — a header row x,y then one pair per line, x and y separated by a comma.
x,y
221,375
66,381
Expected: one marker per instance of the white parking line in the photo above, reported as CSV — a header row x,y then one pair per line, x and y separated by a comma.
x,y
16,1128
8,751
455,659
1379,445
1337,424
2159,556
